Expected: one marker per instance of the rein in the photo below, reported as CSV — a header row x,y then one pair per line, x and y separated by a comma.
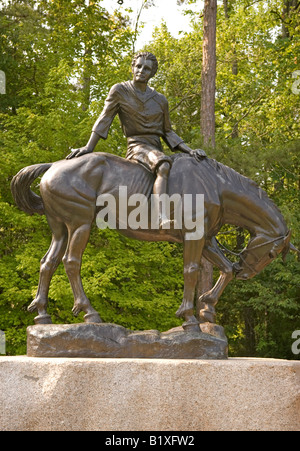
x,y
249,250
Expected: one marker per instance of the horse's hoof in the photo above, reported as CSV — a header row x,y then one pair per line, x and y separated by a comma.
x,y
92,318
207,316
191,327
191,324
43,319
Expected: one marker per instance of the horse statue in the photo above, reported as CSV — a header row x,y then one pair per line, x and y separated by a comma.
x,y
69,191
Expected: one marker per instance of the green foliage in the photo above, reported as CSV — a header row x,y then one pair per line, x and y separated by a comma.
x,y
60,58
179,78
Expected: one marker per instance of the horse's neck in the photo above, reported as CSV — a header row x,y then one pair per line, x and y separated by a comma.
x,y
257,214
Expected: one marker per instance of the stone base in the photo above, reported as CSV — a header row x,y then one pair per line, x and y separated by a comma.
x,y
39,394
110,341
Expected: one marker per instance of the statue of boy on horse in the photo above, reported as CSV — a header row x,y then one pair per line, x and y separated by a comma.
x,y
70,189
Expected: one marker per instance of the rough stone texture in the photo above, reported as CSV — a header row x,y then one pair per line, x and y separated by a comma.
x,y
110,340
41,394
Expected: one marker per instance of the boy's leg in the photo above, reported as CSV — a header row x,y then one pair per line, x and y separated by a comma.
x,y
160,187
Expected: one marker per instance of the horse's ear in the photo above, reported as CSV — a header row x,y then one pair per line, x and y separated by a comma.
x,y
293,248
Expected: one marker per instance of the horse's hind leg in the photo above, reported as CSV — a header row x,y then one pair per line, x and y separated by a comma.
x,y
78,239
49,264
192,257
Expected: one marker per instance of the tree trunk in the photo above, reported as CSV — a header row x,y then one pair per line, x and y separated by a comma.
x,y
88,63
209,65
234,67
289,8
209,73
86,86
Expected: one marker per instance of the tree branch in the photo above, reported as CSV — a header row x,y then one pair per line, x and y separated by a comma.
x,y
248,111
186,97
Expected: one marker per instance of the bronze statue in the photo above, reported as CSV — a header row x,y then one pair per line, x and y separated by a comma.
x,y
70,190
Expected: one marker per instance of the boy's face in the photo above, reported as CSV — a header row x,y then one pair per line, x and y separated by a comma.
x,y
142,70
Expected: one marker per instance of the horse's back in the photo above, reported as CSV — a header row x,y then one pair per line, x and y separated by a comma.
x,y
71,187
189,176
65,174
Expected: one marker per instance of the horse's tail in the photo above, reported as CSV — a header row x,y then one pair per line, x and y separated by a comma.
x,y
24,197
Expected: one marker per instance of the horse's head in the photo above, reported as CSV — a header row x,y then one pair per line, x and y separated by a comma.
x,y
261,251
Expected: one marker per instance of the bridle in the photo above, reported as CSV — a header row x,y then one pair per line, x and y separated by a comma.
x,y
250,251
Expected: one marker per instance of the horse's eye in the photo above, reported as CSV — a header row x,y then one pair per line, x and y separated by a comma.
x,y
272,254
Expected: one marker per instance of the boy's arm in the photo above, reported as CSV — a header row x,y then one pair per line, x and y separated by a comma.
x,y
102,125
174,141
86,149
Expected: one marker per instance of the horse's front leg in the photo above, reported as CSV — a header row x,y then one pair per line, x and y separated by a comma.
x,y
207,302
191,256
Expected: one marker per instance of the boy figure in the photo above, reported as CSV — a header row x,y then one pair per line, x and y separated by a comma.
x,y
144,115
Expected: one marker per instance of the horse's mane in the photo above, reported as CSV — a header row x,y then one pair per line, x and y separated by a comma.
x,y
240,181
229,176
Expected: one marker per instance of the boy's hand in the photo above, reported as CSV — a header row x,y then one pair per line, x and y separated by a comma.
x,y
78,152
199,154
